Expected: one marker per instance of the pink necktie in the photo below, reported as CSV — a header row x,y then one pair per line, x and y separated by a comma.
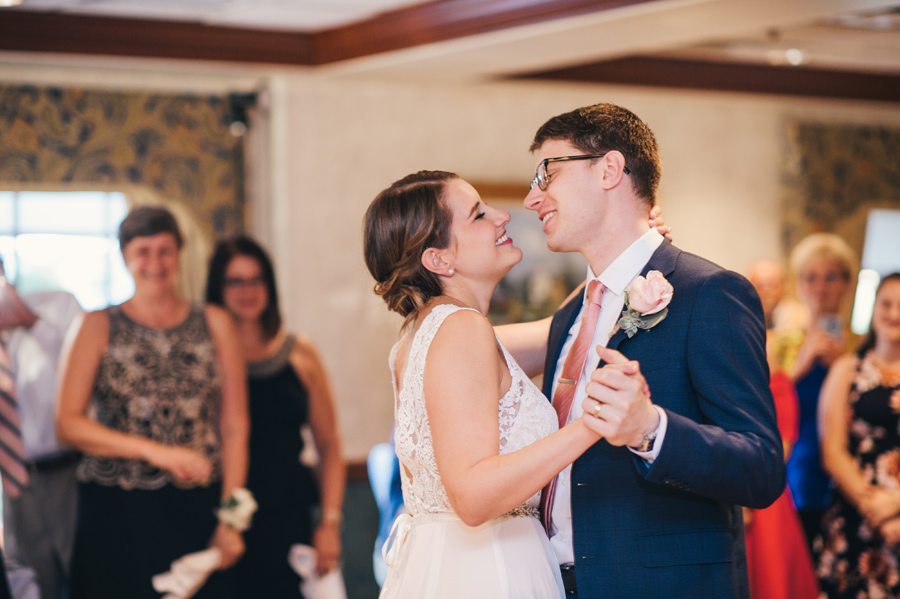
x,y
12,451
572,370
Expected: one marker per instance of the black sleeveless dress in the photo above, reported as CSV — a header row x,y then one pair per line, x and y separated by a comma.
x,y
284,488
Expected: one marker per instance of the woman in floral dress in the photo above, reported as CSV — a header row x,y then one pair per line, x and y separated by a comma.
x,y
859,550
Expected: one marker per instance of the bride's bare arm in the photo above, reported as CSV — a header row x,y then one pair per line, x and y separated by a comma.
x,y
464,376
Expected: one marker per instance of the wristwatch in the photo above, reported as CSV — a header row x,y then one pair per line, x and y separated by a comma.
x,y
647,444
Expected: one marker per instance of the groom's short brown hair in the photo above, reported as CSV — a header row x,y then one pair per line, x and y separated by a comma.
x,y
605,127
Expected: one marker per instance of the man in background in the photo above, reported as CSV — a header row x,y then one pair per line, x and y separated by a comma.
x,y
768,278
39,523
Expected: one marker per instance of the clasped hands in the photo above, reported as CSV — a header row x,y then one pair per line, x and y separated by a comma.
x,y
618,406
187,465
880,508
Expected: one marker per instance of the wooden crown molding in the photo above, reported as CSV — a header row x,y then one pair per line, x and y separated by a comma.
x,y
736,77
76,34
445,20
414,26
407,27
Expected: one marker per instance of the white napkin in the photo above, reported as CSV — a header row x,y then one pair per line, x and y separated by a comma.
x,y
302,559
187,574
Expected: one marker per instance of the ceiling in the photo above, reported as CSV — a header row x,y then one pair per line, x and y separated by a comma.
x,y
830,48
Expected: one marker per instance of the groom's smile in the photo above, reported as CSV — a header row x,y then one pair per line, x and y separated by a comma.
x,y
562,196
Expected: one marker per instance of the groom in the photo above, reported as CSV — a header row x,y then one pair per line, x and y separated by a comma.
x,y
680,395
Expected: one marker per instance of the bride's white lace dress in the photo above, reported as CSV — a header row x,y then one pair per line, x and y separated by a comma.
x,y
431,553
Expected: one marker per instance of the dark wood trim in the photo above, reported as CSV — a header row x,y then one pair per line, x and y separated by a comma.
x,y
416,25
55,32
734,77
75,34
445,20
357,471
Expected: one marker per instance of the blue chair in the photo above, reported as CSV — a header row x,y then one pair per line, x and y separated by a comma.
x,y
384,477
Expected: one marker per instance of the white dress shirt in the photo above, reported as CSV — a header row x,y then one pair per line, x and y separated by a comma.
x,y
617,277
34,353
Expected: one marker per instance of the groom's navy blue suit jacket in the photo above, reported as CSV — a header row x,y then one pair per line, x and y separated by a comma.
x,y
674,528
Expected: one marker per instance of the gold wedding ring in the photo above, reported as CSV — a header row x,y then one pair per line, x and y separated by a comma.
x,y
597,409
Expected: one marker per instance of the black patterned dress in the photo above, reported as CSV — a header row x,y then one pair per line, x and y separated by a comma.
x,y
854,562
135,519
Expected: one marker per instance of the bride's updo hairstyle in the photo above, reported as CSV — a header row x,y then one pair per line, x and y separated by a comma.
x,y
401,223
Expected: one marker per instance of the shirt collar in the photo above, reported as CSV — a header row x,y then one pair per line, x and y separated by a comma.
x,y
628,264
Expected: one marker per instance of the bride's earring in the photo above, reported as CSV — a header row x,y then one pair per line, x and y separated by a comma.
x,y
450,272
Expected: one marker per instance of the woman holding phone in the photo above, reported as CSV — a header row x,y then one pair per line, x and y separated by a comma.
x,y
824,267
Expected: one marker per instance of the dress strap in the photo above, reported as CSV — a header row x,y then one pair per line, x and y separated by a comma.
x,y
423,337
421,341
274,363
440,313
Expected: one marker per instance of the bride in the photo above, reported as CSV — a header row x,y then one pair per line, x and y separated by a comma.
x,y
476,439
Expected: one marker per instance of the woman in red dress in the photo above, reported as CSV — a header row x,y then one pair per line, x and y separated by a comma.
x,y
778,560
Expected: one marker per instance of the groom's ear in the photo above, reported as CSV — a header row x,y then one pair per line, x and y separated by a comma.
x,y
433,260
612,169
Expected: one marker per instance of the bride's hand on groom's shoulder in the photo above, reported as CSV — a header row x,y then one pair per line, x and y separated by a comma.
x,y
659,223
618,405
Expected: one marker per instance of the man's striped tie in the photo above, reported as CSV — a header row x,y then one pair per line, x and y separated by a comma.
x,y
12,451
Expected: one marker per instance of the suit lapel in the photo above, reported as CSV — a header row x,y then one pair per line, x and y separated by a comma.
x,y
663,260
614,342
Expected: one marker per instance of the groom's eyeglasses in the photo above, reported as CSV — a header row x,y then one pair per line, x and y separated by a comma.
x,y
542,177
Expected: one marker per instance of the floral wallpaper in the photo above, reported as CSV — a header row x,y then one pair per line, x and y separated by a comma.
x,y
835,174
180,146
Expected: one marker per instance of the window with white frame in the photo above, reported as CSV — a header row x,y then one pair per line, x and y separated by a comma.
x,y
881,256
65,240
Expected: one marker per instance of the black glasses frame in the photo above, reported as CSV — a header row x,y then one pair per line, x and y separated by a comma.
x,y
542,177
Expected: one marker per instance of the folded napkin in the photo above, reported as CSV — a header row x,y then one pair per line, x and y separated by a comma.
x,y
302,559
187,574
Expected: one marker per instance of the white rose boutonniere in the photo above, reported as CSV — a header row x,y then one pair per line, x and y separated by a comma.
x,y
646,303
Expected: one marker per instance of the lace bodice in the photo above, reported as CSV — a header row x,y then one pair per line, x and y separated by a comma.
x,y
525,417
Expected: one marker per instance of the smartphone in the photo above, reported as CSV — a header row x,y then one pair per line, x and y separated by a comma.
x,y
833,325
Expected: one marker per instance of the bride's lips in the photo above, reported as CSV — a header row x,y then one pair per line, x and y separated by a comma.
x,y
503,239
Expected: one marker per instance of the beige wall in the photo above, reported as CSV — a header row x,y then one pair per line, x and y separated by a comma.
x,y
720,191
334,144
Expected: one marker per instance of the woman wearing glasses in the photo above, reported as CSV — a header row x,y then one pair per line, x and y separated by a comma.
x,y
824,267
476,439
288,390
